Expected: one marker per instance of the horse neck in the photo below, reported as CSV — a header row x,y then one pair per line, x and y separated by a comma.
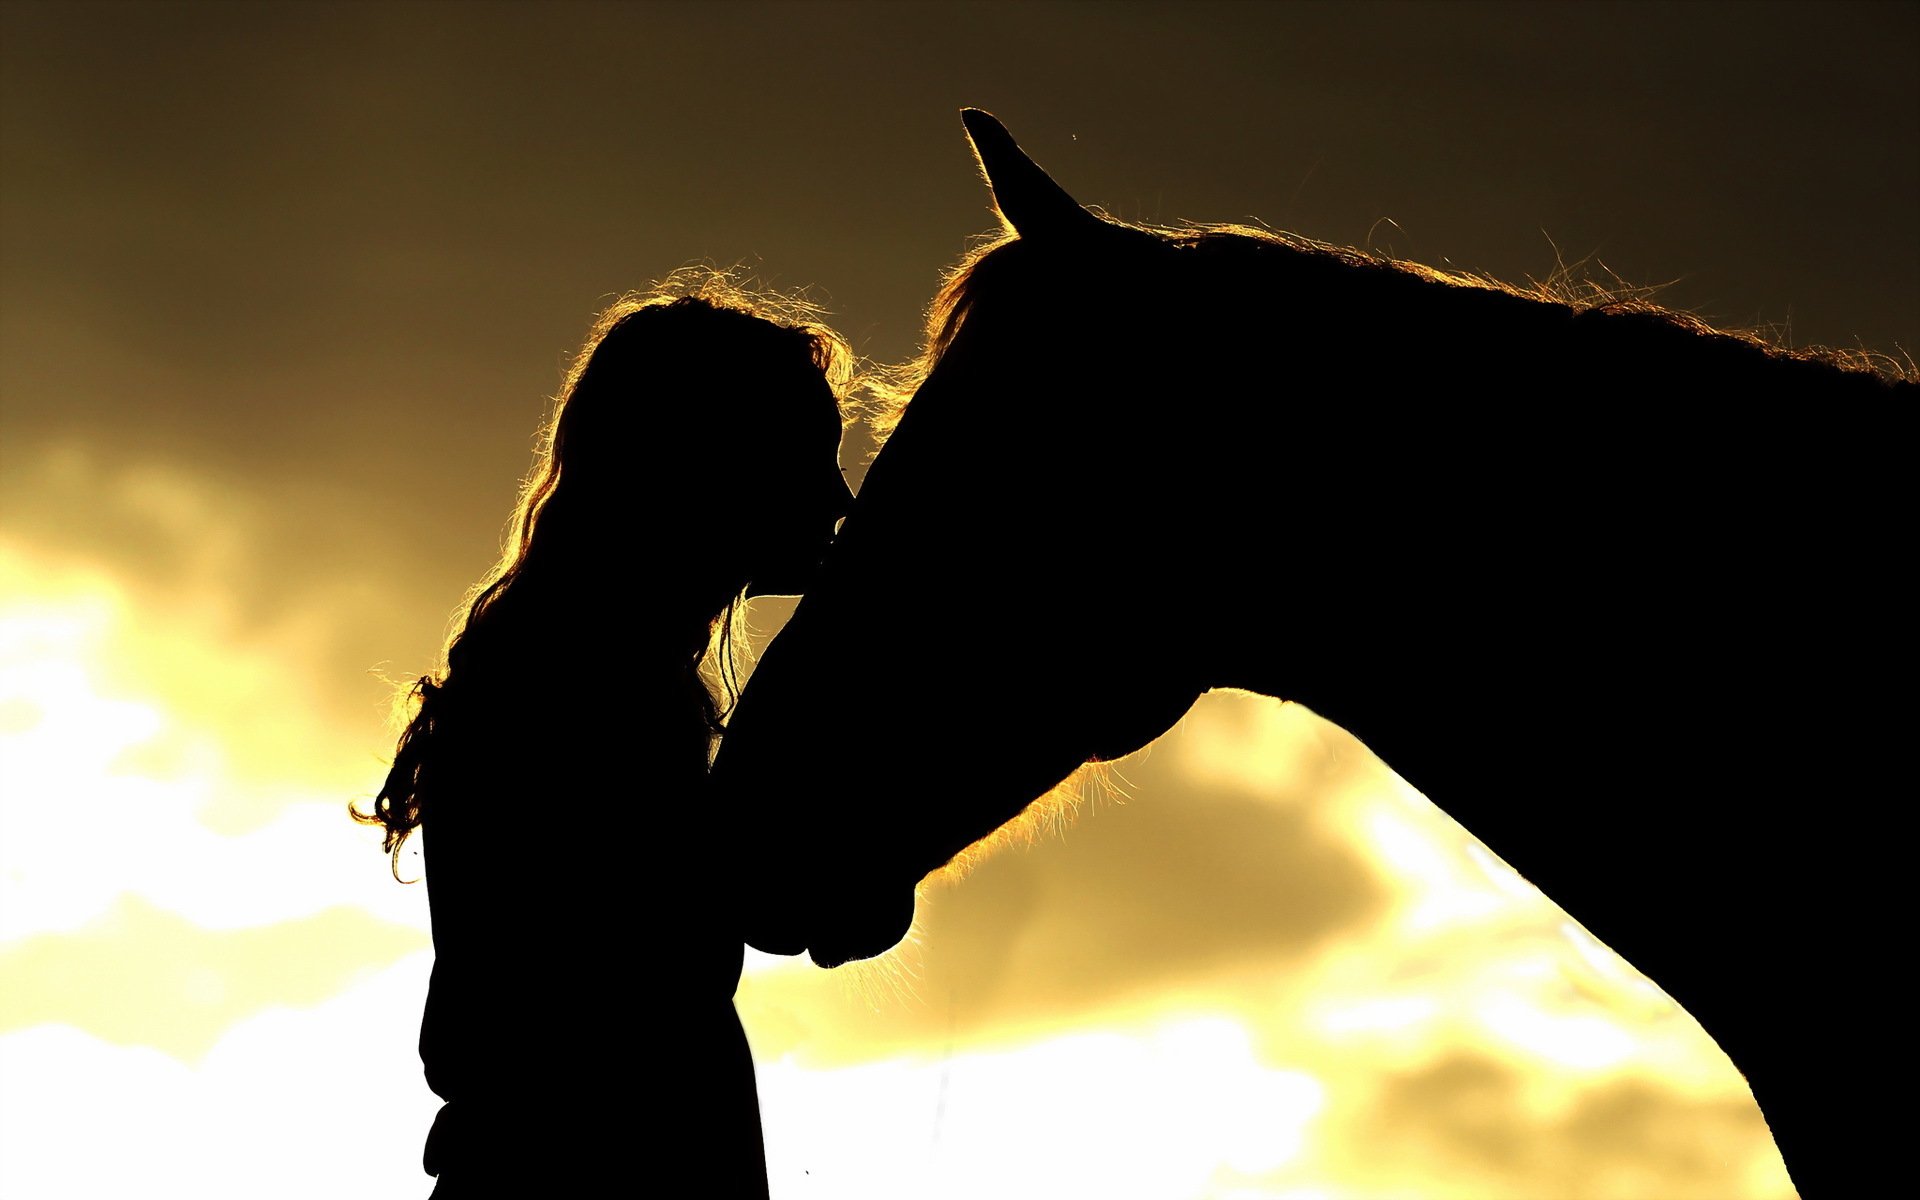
x,y
1382,519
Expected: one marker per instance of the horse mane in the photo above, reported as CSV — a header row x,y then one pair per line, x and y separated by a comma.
x,y
994,265
1242,263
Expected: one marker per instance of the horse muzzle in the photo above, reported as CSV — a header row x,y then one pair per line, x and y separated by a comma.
x,y
839,921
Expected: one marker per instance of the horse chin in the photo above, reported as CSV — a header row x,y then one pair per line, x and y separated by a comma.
x,y
848,931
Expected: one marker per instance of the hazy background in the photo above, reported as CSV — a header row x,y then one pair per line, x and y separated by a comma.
x,y
284,289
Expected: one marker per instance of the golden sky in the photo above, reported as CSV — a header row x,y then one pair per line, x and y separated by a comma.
x,y
283,290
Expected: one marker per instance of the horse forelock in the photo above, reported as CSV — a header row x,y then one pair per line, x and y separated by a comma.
x,y
960,288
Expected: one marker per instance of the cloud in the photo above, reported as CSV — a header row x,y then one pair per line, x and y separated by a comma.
x,y
260,609
1266,875
125,768
305,1103
1202,869
143,976
1489,1131
1175,1108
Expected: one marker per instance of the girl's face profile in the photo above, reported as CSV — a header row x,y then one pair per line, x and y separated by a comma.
x,y
798,497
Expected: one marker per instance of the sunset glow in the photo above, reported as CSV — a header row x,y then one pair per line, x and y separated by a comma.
x,y
164,958
286,291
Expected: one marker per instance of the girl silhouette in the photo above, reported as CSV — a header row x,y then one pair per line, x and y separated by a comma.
x,y
580,1023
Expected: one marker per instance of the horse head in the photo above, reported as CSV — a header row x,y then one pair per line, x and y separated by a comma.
x,y
1530,535
945,623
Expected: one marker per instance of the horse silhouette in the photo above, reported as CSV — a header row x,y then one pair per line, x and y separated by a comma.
x,y
1621,594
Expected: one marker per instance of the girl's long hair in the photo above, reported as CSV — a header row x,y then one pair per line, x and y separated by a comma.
x,y
638,397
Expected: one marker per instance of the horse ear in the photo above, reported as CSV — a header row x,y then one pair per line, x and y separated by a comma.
x,y
1027,197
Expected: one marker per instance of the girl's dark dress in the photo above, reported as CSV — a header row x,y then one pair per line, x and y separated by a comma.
x,y
580,1021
